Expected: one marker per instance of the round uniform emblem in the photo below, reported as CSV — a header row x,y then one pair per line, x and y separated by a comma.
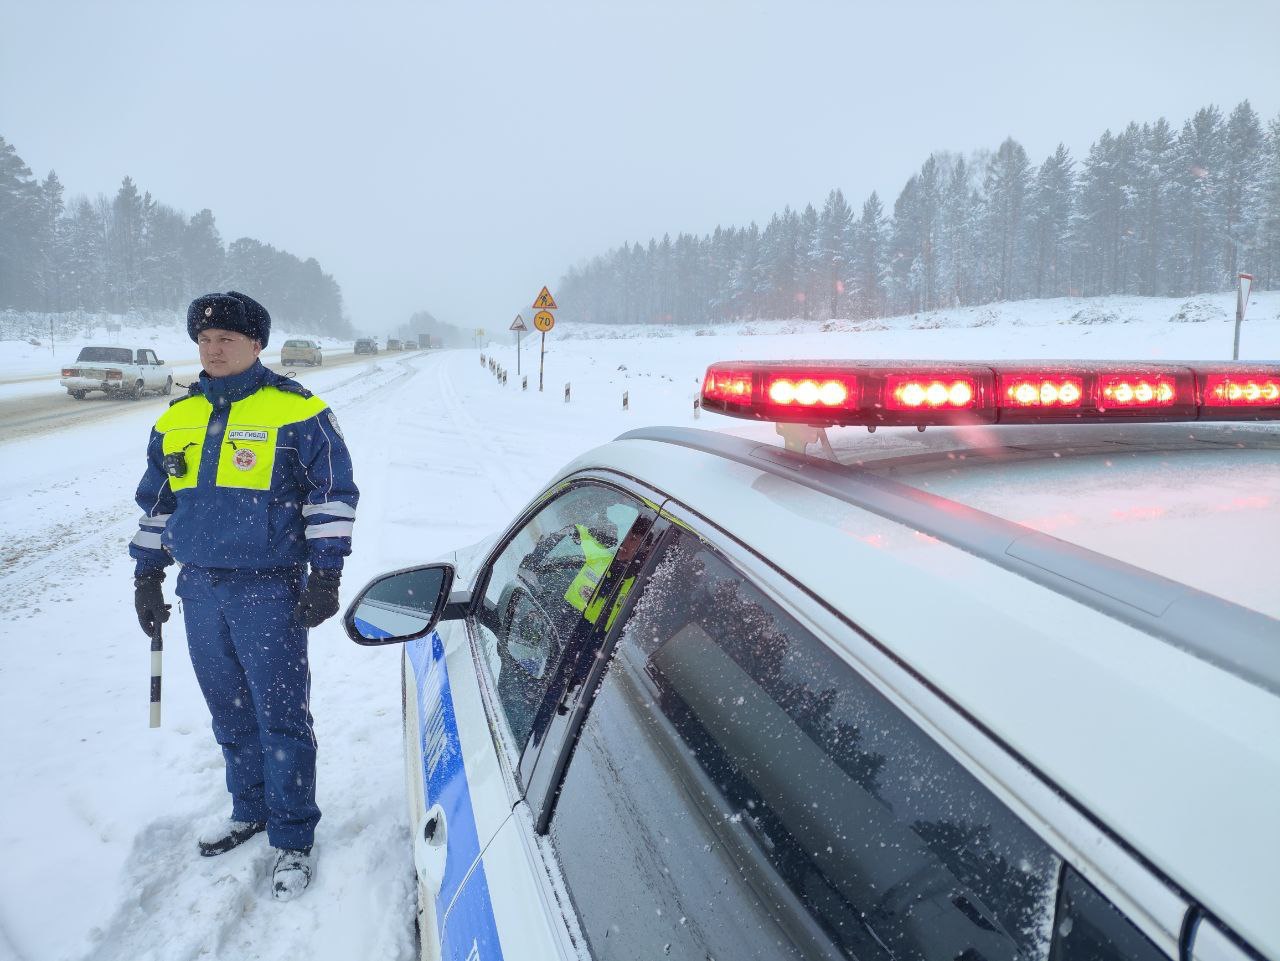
x,y
245,459
208,311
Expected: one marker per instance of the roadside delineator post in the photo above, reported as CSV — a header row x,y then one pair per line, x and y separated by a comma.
x,y
697,404
566,393
1244,282
626,400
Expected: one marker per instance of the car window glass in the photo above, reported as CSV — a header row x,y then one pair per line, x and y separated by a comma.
x,y
541,589
110,355
761,801
1090,928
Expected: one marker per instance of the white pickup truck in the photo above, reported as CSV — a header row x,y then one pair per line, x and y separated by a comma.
x,y
117,372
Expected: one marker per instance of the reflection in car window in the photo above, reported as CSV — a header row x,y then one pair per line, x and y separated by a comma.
x,y
761,801
542,589
1090,928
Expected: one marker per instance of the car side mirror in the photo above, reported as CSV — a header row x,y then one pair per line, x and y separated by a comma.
x,y
159,363
404,605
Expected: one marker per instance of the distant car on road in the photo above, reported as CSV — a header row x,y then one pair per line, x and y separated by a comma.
x,y
394,344
117,372
366,345
307,352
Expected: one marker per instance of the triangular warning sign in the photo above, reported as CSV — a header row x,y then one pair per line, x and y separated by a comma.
x,y
518,323
545,301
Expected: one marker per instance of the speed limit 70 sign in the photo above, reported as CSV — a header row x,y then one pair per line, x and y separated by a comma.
x,y
544,320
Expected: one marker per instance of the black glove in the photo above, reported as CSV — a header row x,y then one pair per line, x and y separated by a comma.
x,y
319,599
148,600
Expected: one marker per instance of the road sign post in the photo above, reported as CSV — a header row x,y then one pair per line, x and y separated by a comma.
x,y
544,320
518,325
1245,282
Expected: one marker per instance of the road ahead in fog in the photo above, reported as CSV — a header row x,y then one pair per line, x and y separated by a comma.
x,y
37,411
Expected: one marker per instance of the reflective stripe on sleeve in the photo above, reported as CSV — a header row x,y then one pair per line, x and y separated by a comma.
x,y
333,508
147,539
159,520
331,529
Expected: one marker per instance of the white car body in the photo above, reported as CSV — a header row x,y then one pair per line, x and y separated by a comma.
x,y
1129,722
117,371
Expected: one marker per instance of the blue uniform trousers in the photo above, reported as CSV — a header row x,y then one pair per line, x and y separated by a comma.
x,y
250,657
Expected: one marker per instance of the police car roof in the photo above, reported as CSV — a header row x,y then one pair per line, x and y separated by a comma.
x,y
1153,705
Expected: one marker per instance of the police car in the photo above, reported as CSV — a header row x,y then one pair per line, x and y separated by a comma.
x,y
717,696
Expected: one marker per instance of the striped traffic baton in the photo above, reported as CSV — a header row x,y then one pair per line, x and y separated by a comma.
x,y
157,654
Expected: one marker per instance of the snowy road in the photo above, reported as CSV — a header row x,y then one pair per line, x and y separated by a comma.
x,y
37,405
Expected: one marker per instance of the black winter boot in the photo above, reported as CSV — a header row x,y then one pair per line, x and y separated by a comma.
x,y
230,835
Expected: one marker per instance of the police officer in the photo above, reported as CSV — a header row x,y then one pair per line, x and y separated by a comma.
x,y
248,483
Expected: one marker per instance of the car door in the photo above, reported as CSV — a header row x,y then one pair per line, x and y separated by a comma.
x,y
152,377
734,788
483,690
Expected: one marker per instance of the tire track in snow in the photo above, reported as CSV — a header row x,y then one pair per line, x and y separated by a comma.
x,y
489,455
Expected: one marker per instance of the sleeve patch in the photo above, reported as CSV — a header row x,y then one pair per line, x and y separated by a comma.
x,y
333,422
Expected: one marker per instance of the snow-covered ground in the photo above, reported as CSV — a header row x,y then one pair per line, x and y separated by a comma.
x,y
98,813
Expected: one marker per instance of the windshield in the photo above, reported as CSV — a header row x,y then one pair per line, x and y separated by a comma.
x,y
111,355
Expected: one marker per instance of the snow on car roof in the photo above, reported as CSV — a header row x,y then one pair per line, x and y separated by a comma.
x,y
1198,503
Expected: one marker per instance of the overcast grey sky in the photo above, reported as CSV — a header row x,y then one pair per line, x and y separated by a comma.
x,y
457,156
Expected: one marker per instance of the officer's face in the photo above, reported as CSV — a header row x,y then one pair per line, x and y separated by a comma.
x,y
224,353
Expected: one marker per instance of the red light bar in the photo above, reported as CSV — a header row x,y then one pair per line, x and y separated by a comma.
x,y
830,392
908,392
928,393
1239,391
1039,390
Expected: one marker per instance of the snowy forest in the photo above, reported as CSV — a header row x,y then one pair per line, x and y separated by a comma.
x,y
132,253
1149,211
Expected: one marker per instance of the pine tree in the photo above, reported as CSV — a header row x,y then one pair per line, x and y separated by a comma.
x,y
86,279
957,235
20,221
870,267
808,261
203,256
52,245
1242,184
833,240
1154,189
1049,222
904,248
1199,199
1005,196
1268,238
